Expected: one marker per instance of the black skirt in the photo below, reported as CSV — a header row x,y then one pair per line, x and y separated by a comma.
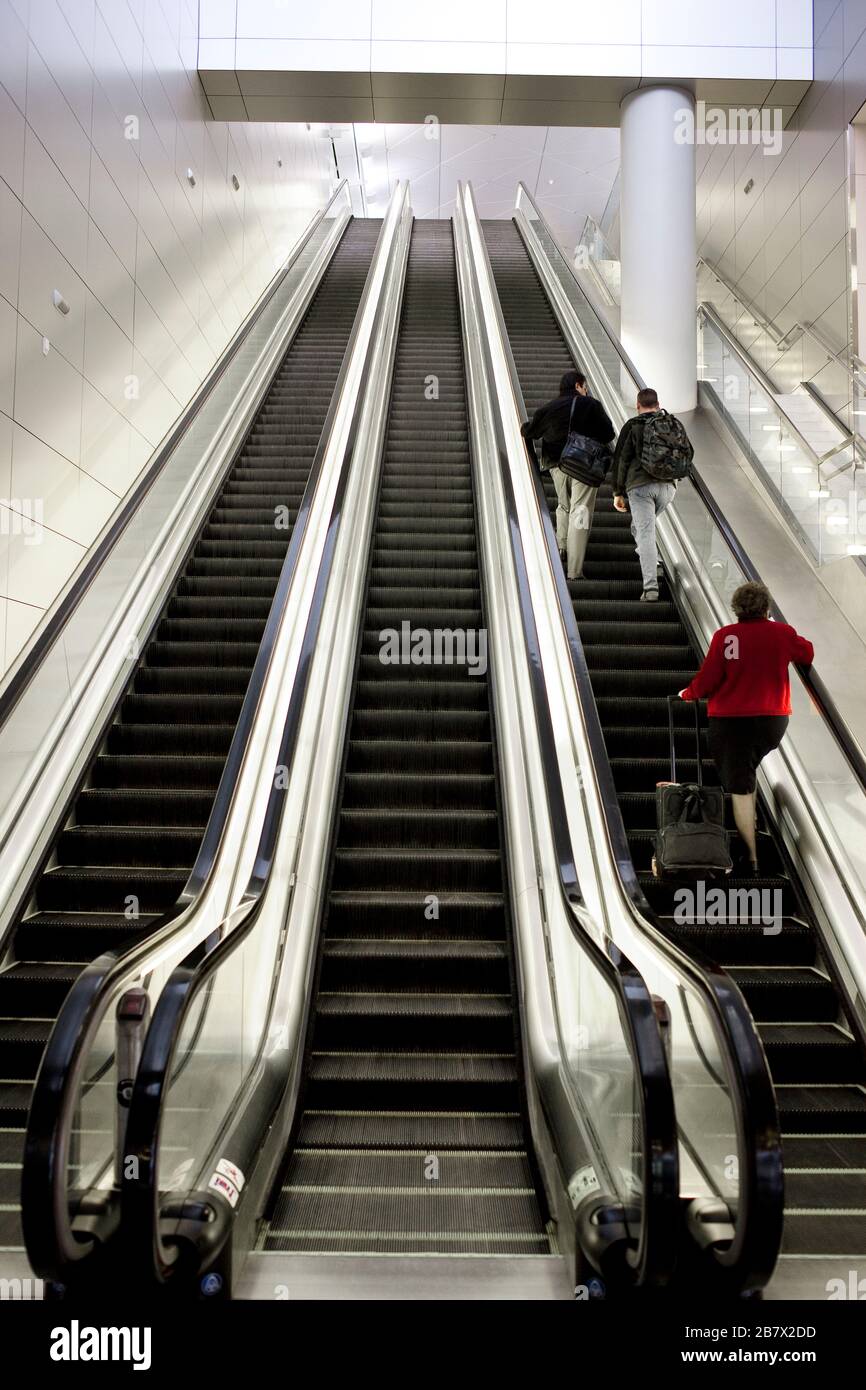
x,y
739,744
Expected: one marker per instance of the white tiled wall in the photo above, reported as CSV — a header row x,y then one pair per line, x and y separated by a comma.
x,y
157,273
694,38
785,243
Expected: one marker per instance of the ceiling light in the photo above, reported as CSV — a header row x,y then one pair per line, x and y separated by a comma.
x,y
775,429
801,468
856,549
821,492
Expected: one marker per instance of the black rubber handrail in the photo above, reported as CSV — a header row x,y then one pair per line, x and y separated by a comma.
x,y
820,695
750,1258
21,676
141,1195
653,1261
49,1239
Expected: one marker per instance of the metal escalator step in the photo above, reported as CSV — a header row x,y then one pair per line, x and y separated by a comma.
x,y
414,1031
431,1129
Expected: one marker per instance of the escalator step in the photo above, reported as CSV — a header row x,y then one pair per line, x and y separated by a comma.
x,y
414,1041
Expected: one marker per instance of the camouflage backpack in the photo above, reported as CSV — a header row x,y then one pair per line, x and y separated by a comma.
x,y
666,451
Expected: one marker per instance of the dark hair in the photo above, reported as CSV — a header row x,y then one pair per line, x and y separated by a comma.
x,y
569,381
648,398
750,601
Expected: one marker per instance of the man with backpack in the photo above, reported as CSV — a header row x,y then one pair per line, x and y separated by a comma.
x,y
574,418
652,455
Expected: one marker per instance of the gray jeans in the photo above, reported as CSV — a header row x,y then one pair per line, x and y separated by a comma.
x,y
645,504
576,503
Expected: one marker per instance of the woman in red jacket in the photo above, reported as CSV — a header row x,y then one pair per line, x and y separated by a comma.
x,y
745,679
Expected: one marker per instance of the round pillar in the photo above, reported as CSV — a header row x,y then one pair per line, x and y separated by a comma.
x,y
657,241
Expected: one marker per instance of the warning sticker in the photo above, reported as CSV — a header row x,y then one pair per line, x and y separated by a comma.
x,y
232,1172
226,1188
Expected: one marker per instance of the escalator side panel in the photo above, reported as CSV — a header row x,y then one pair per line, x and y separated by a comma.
x,y
139,815
637,655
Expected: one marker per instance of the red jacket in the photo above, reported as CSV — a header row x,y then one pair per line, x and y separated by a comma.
x,y
745,671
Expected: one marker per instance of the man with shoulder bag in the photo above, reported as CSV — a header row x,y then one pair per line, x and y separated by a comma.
x,y
575,434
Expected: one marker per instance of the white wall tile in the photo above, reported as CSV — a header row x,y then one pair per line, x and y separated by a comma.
x,y
217,18
5,457
682,21
687,61
576,59
112,214
13,54
793,24
297,19
60,52
10,242
44,270
107,356
113,224
794,64
47,394
216,54
81,17
532,20
8,335
11,142
73,503
454,20
52,118
21,620
109,280
37,573
304,55
53,204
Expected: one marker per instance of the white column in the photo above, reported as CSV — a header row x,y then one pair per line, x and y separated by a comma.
x,y
657,241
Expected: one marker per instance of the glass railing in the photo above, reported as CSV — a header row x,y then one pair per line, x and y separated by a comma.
x,y
816,781
595,255
729,1161
822,497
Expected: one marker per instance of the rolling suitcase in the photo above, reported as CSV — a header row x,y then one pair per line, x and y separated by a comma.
x,y
691,840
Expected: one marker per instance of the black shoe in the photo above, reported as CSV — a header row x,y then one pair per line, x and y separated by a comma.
x,y
563,555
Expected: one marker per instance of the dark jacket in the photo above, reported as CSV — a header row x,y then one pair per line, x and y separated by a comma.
x,y
627,472
550,424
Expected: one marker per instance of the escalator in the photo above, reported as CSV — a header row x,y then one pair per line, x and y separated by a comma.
x,y
637,655
134,827
411,1135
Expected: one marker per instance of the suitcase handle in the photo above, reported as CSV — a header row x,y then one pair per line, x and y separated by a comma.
x,y
694,704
